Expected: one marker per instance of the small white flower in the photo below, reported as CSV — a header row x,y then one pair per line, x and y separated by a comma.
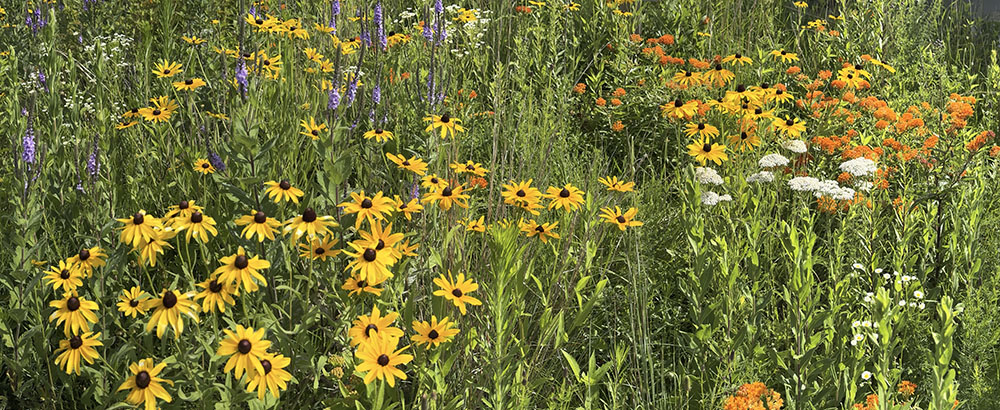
x,y
867,323
773,161
869,298
907,278
705,175
803,184
878,270
857,323
858,337
913,304
709,198
886,276
859,167
920,305
902,303
854,342
761,177
858,265
875,325
866,375
795,146
918,294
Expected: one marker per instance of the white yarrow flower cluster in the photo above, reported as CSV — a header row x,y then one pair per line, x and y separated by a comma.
x,y
804,184
761,177
859,167
829,188
796,146
773,161
710,198
706,175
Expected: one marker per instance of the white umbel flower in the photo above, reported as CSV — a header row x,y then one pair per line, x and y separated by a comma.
x,y
804,184
709,198
705,175
773,161
796,146
761,177
859,167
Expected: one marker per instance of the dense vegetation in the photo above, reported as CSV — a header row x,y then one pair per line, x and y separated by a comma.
x,y
368,204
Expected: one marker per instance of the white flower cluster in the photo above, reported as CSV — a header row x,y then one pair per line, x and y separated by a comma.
x,y
761,177
772,161
803,184
706,175
829,188
710,198
859,167
796,146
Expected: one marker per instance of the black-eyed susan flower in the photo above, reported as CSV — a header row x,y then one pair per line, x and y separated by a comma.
x,y
543,230
74,312
271,63
406,249
744,140
146,384
414,164
369,264
149,250
379,134
125,124
197,225
369,208
162,109
355,286
448,125
784,56
469,167
202,165
687,78
780,96
259,224
189,84
457,291
309,224
445,198
568,197
88,259
379,360
166,69
243,270
319,248
477,225
65,276
408,208
168,309
132,302
133,113
245,348
622,220
433,333
75,348
704,150
193,40
311,128
381,239
679,109
615,184
283,191
367,328
737,59
701,129
216,295
719,76
274,378
790,127
182,209
523,195
433,182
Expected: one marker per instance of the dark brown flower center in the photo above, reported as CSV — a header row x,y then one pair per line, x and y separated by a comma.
x,y
369,329
241,262
678,103
366,203
738,56
718,67
319,250
169,299
197,217
309,215
706,148
520,193
214,286
701,126
284,184
564,193
315,132
205,165
783,52
850,76
789,122
244,346
433,334
765,86
259,217
381,244
64,274
183,205
743,135
133,303
620,219
75,342
446,191
540,229
73,303
84,254
138,218
383,360
362,284
741,88
378,131
266,364
142,379
369,255
445,118
434,181
166,71
779,92
156,112
456,292
188,82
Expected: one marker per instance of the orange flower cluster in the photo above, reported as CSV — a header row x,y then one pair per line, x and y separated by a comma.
x,y
907,388
830,144
754,396
832,206
959,109
580,88
619,92
665,39
617,126
981,139
862,151
523,9
871,403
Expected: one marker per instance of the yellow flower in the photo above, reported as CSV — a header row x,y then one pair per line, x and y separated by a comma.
x,y
701,129
245,348
379,134
457,291
370,327
202,165
241,269
166,69
73,311
133,302
784,56
622,220
801,4
408,208
433,182
379,360
414,164
523,195
368,208
355,286
614,184
449,126
140,227
168,310
257,223
88,259
544,231
75,348
65,276
469,167
189,84
737,58
194,40
146,384
703,150
309,224
312,130
568,198
273,379
216,295
197,225
433,333
444,198
478,225
319,248
792,128
283,191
